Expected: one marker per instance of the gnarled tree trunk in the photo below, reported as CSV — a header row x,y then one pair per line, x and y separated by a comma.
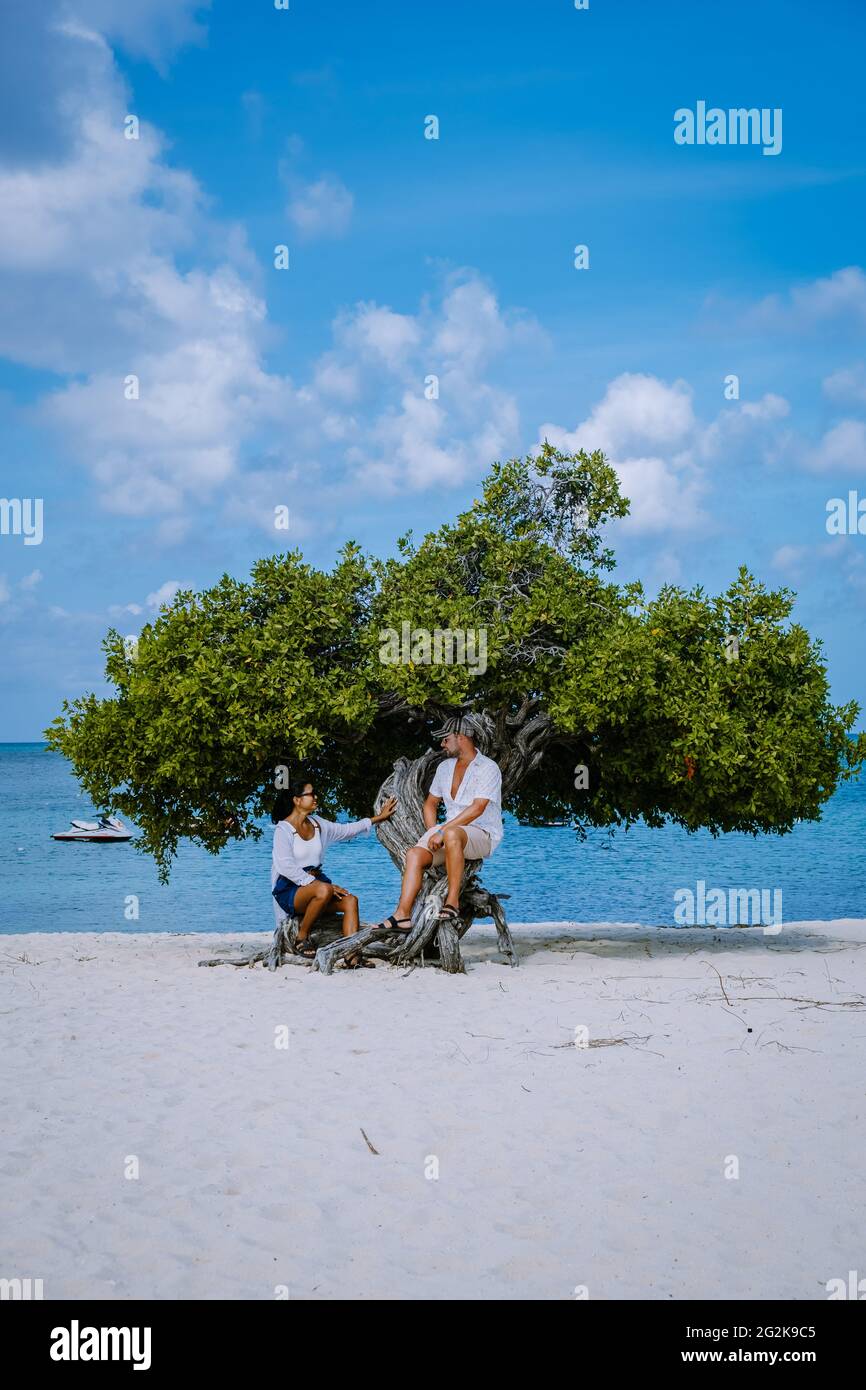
x,y
410,783
517,742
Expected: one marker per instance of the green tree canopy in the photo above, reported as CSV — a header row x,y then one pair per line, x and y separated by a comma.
x,y
672,718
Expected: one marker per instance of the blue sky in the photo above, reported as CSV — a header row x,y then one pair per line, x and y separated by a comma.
x,y
304,387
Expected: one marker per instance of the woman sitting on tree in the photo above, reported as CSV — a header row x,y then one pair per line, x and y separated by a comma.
x,y
298,882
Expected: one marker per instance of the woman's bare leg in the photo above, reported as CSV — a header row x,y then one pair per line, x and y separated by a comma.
x,y
347,907
312,900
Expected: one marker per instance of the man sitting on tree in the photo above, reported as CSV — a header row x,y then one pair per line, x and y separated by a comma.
x,y
470,784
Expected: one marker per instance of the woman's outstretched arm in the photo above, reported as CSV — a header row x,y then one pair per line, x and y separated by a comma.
x,y
333,832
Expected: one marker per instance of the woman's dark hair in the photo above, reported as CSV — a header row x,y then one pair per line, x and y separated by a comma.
x,y
284,801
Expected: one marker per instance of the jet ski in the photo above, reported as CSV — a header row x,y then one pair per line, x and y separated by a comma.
x,y
101,832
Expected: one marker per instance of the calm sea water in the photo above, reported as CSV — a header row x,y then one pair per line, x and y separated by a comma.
x,y
551,876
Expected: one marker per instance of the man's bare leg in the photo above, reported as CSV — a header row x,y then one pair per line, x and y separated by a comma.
x,y
454,839
417,860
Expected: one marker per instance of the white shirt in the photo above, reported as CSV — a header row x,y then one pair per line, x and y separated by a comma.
x,y
482,778
292,851
307,851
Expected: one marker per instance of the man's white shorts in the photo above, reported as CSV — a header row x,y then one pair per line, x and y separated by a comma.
x,y
478,843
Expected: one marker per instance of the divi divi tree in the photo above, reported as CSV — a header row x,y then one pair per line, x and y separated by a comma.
x,y
602,706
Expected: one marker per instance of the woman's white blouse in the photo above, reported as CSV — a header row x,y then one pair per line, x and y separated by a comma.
x,y
292,851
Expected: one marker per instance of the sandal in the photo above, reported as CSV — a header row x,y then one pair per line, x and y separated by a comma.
x,y
392,924
304,948
358,963
449,913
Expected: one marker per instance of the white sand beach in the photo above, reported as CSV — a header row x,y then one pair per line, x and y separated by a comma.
x,y
560,1167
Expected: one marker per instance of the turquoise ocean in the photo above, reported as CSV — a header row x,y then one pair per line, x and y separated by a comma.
x,y
47,885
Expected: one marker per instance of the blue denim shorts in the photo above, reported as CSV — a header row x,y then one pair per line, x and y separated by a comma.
x,y
284,890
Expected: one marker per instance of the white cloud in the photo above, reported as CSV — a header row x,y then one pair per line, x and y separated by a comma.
x,y
665,567
24,587
843,292
376,333
333,379
164,594
649,433
644,427
172,530
322,208
161,596
417,446
843,449
54,57
769,407
837,297
79,216
181,438
89,250
848,384
151,29
663,498
472,328
840,556
791,560
94,253
299,492
749,431
427,440
636,412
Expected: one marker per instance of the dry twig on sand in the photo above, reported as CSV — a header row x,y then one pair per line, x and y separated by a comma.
x,y
369,1145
